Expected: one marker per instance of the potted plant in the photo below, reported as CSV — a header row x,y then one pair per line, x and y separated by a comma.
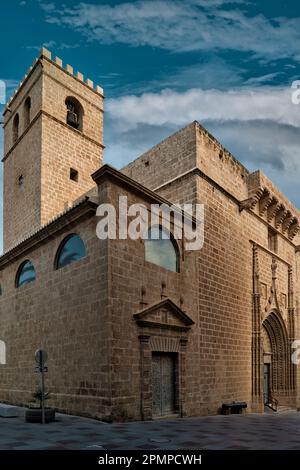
x,y
33,414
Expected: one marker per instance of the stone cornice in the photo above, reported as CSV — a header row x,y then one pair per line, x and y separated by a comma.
x,y
36,117
108,172
56,81
44,113
196,171
166,304
151,324
270,206
247,204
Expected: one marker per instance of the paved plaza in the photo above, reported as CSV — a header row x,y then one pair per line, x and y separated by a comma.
x,y
252,431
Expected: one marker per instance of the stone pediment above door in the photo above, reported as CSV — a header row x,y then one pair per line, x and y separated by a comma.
x,y
165,314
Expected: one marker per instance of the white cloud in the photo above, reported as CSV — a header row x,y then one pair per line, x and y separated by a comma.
x,y
179,108
183,26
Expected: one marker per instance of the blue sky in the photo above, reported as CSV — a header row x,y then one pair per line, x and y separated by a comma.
x,y
164,63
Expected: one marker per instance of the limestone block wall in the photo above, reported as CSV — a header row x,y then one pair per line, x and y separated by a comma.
x,y
22,188
65,312
165,161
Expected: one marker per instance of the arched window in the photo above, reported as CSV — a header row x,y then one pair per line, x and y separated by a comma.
x,y
25,274
71,249
74,113
161,249
16,128
27,107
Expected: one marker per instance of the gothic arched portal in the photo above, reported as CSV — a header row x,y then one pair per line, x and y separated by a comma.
x,y
280,354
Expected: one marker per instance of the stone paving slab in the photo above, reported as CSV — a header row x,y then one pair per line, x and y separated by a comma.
x,y
253,431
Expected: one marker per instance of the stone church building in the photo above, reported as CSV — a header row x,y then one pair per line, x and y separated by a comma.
x,y
139,329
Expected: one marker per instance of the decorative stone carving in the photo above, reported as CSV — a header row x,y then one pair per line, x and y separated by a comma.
x,y
164,328
274,211
287,221
248,203
264,201
164,314
280,215
293,228
256,333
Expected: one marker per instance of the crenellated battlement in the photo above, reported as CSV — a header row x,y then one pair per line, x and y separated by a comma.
x,y
57,61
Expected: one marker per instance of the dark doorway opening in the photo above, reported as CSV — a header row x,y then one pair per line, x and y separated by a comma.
x,y
266,384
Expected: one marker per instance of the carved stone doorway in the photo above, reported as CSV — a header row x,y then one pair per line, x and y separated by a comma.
x,y
276,353
163,333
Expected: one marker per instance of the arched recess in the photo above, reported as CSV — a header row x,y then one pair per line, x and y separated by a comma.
x,y
75,113
15,130
27,109
280,350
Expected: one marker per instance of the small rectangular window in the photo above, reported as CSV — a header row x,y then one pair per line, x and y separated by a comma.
x,y
272,240
73,174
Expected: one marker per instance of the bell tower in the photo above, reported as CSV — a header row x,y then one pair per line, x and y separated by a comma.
x,y
53,142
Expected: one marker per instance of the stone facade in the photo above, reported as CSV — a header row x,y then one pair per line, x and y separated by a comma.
x,y
229,315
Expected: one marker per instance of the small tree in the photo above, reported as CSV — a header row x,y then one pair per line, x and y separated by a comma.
x,y
38,396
